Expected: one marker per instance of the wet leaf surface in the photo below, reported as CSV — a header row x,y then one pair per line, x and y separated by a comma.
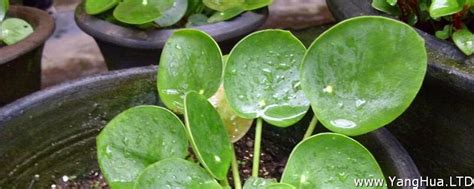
x,y
330,160
174,14
257,183
208,135
262,78
99,6
175,173
190,61
464,40
137,138
141,11
363,73
225,15
439,8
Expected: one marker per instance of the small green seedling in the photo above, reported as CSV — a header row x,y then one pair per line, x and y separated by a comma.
x,y
12,30
436,13
354,76
169,13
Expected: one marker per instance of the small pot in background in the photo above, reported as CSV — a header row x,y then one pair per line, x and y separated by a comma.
x,y
124,47
20,63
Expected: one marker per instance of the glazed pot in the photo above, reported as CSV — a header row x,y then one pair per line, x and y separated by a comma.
x,y
127,47
52,133
438,127
20,64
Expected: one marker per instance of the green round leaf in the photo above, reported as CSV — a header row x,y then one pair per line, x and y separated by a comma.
x,y
223,5
464,40
225,15
384,6
174,14
208,136
329,160
441,8
258,183
99,6
280,186
137,138
4,4
175,173
14,30
363,73
262,78
236,126
141,11
190,61
256,4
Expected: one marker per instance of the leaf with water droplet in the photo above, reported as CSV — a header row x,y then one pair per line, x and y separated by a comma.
x,y
222,5
258,183
184,68
253,78
321,162
136,138
175,173
173,14
236,126
141,11
208,135
93,7
354,86
225,15
14,30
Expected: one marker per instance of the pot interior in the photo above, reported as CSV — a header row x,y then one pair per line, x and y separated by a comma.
x,y
52,133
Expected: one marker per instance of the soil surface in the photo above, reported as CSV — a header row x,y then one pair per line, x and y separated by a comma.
x,y
272,162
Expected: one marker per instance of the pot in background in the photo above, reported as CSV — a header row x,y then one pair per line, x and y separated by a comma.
x,y
52,132
124,47
20,63
438,127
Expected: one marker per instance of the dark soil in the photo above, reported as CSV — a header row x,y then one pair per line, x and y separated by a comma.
x,y
272,162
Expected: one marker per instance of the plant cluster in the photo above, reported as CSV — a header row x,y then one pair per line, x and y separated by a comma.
x,y
12,30
166,13
354,76
447,19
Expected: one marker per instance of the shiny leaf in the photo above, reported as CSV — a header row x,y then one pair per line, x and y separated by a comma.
x,y
258,183
280,186
329,160
441,8
141,11
196,20
236,127
208,136
99,6
262,78
223,5
137,138
464,40
384,6
190,61
14,30
175,173
363,73
225,15
174,14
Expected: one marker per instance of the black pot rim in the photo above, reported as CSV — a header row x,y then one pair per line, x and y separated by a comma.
x,y
447,63
43,25
155,39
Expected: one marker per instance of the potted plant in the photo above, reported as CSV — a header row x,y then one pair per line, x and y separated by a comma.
x,y
146,146
24,31
442,112
128,36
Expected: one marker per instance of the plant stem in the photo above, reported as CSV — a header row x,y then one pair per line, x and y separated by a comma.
x,y
311,127
235,171
256,148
